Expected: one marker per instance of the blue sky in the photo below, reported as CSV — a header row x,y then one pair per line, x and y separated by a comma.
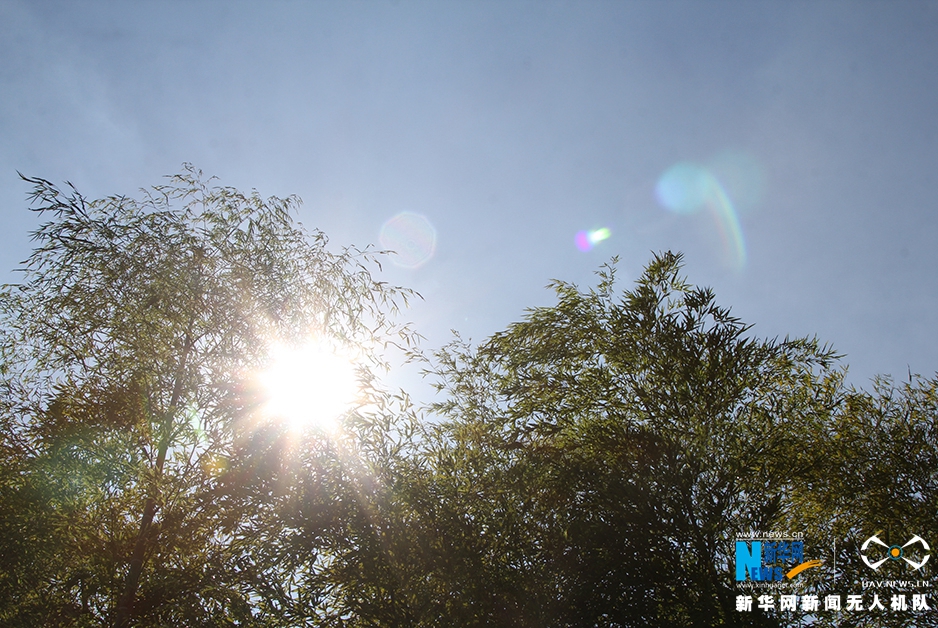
x,y
809,129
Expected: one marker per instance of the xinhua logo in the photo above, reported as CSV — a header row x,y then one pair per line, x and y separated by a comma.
x,y
895,552
767,561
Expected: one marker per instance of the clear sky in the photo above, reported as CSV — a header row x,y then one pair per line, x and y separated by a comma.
x,y
789,149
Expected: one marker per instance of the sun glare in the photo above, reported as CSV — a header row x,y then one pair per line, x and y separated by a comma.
x,y
309,386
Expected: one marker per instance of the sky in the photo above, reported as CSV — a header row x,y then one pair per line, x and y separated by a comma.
x,y
788,149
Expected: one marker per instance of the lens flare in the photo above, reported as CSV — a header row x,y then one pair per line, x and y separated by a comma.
x,y
742,176
586,240
685,188
411,236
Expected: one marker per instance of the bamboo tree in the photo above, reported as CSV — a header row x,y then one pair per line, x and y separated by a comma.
x,y
603,453
139,321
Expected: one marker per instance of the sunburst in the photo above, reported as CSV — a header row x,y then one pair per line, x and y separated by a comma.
x,y
309,386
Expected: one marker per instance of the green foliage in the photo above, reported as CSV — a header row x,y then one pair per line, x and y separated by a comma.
x,y
136,471
591,465
604,453
877,475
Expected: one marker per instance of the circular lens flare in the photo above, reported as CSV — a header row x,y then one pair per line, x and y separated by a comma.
x,y
686,188
310,386
411,236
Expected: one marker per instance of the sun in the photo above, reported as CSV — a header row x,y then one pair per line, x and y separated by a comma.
x,y
309,386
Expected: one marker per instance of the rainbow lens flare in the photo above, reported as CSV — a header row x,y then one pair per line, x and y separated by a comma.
x,y
586,240
685,188
411,236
